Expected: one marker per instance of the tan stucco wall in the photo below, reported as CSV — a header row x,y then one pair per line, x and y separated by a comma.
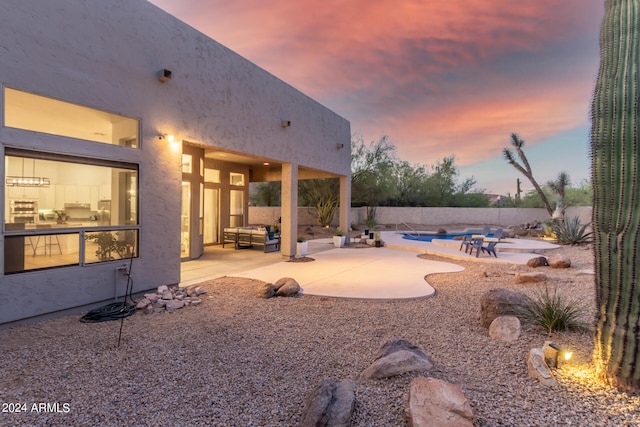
x,y
428,216
106,55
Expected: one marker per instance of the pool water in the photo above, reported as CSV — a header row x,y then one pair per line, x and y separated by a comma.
x,y
429,237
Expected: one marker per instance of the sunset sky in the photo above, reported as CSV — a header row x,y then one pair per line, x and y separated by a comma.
x,y
440,78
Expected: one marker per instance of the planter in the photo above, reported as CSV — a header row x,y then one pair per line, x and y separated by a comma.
x,y
378,243
371,235
301,249
338,241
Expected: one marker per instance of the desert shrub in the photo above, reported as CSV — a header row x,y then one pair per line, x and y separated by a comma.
x,y
554,313
570,232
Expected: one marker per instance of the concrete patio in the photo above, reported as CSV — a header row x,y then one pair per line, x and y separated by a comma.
x,y
391,272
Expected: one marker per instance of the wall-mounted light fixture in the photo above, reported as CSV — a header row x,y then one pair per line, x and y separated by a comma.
x,y
339,145
164,75
27,181
555,354
166,136
286,123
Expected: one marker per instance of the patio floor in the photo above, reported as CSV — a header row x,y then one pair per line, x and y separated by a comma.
x,y
391,272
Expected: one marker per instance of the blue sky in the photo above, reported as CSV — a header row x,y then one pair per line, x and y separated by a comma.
x,y
440,78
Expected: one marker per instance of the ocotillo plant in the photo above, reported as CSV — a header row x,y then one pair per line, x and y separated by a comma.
x,y
616,206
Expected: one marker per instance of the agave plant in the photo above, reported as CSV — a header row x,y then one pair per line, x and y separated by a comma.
x,y
569,231
553,312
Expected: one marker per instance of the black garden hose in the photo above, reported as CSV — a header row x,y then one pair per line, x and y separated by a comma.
x,y
114,310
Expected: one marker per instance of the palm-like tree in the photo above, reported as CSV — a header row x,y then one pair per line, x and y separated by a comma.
x,y
559,187
525,168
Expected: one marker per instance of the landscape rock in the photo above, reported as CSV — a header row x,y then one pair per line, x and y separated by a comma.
x,y
538,262
286,287
143,303
559,261
330,404
537,368
505,328
432,402
266,290
167,295
395,358
174,305
529,278
502,302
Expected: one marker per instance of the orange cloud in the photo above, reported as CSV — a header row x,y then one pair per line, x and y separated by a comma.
x,y
439,77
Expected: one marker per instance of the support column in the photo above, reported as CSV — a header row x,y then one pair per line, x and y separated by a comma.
x,y
345,203
289,209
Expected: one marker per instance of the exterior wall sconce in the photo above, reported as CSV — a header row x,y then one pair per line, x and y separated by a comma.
x,y
339,145
166,136
554,355
164,75
286,123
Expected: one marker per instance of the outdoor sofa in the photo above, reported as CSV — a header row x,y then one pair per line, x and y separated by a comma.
x,y
248,237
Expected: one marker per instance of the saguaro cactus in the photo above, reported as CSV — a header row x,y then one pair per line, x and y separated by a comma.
x,y
616,205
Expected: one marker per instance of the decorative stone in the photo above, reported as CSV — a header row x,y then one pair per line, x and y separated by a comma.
x,y
559,261
538,262
266,290
167,295
395,358
196,301
529,278
505,328
200,290
432,402
174,305
502,302
286,287
143,303
150,309
330,404
162,289
537,368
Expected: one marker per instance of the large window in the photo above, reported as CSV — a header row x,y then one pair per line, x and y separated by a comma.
x,y
24,110
62,210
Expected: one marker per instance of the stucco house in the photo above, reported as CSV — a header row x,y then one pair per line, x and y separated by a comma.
x,y
127,134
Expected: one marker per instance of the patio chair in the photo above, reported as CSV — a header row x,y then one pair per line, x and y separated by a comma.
x,y
476,243
466,241
490,248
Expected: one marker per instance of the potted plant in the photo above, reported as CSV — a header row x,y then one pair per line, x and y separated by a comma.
x,y
377,240
339,238
370,224
301,246
61,217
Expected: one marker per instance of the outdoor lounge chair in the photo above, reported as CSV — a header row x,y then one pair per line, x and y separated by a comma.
x,y
490,248
466,240
476,243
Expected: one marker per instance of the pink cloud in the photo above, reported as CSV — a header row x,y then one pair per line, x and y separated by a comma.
x,y
438,77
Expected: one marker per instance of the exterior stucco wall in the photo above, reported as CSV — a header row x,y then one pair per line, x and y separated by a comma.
x,y
106,55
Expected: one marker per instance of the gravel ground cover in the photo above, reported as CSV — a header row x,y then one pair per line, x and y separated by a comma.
x,y
239,360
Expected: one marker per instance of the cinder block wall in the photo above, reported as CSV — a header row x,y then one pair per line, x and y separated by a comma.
x,y
428,216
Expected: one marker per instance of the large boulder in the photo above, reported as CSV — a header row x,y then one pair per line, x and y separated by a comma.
x,y
529,278
266,290
538,262
432,402
286,287
330,404
395,358
502,302
559,261
505,328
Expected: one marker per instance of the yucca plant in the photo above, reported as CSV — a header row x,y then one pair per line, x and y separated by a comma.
x,y
569,231
615,149
553,312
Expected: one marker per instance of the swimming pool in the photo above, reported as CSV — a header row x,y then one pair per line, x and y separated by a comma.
x,y
427,237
